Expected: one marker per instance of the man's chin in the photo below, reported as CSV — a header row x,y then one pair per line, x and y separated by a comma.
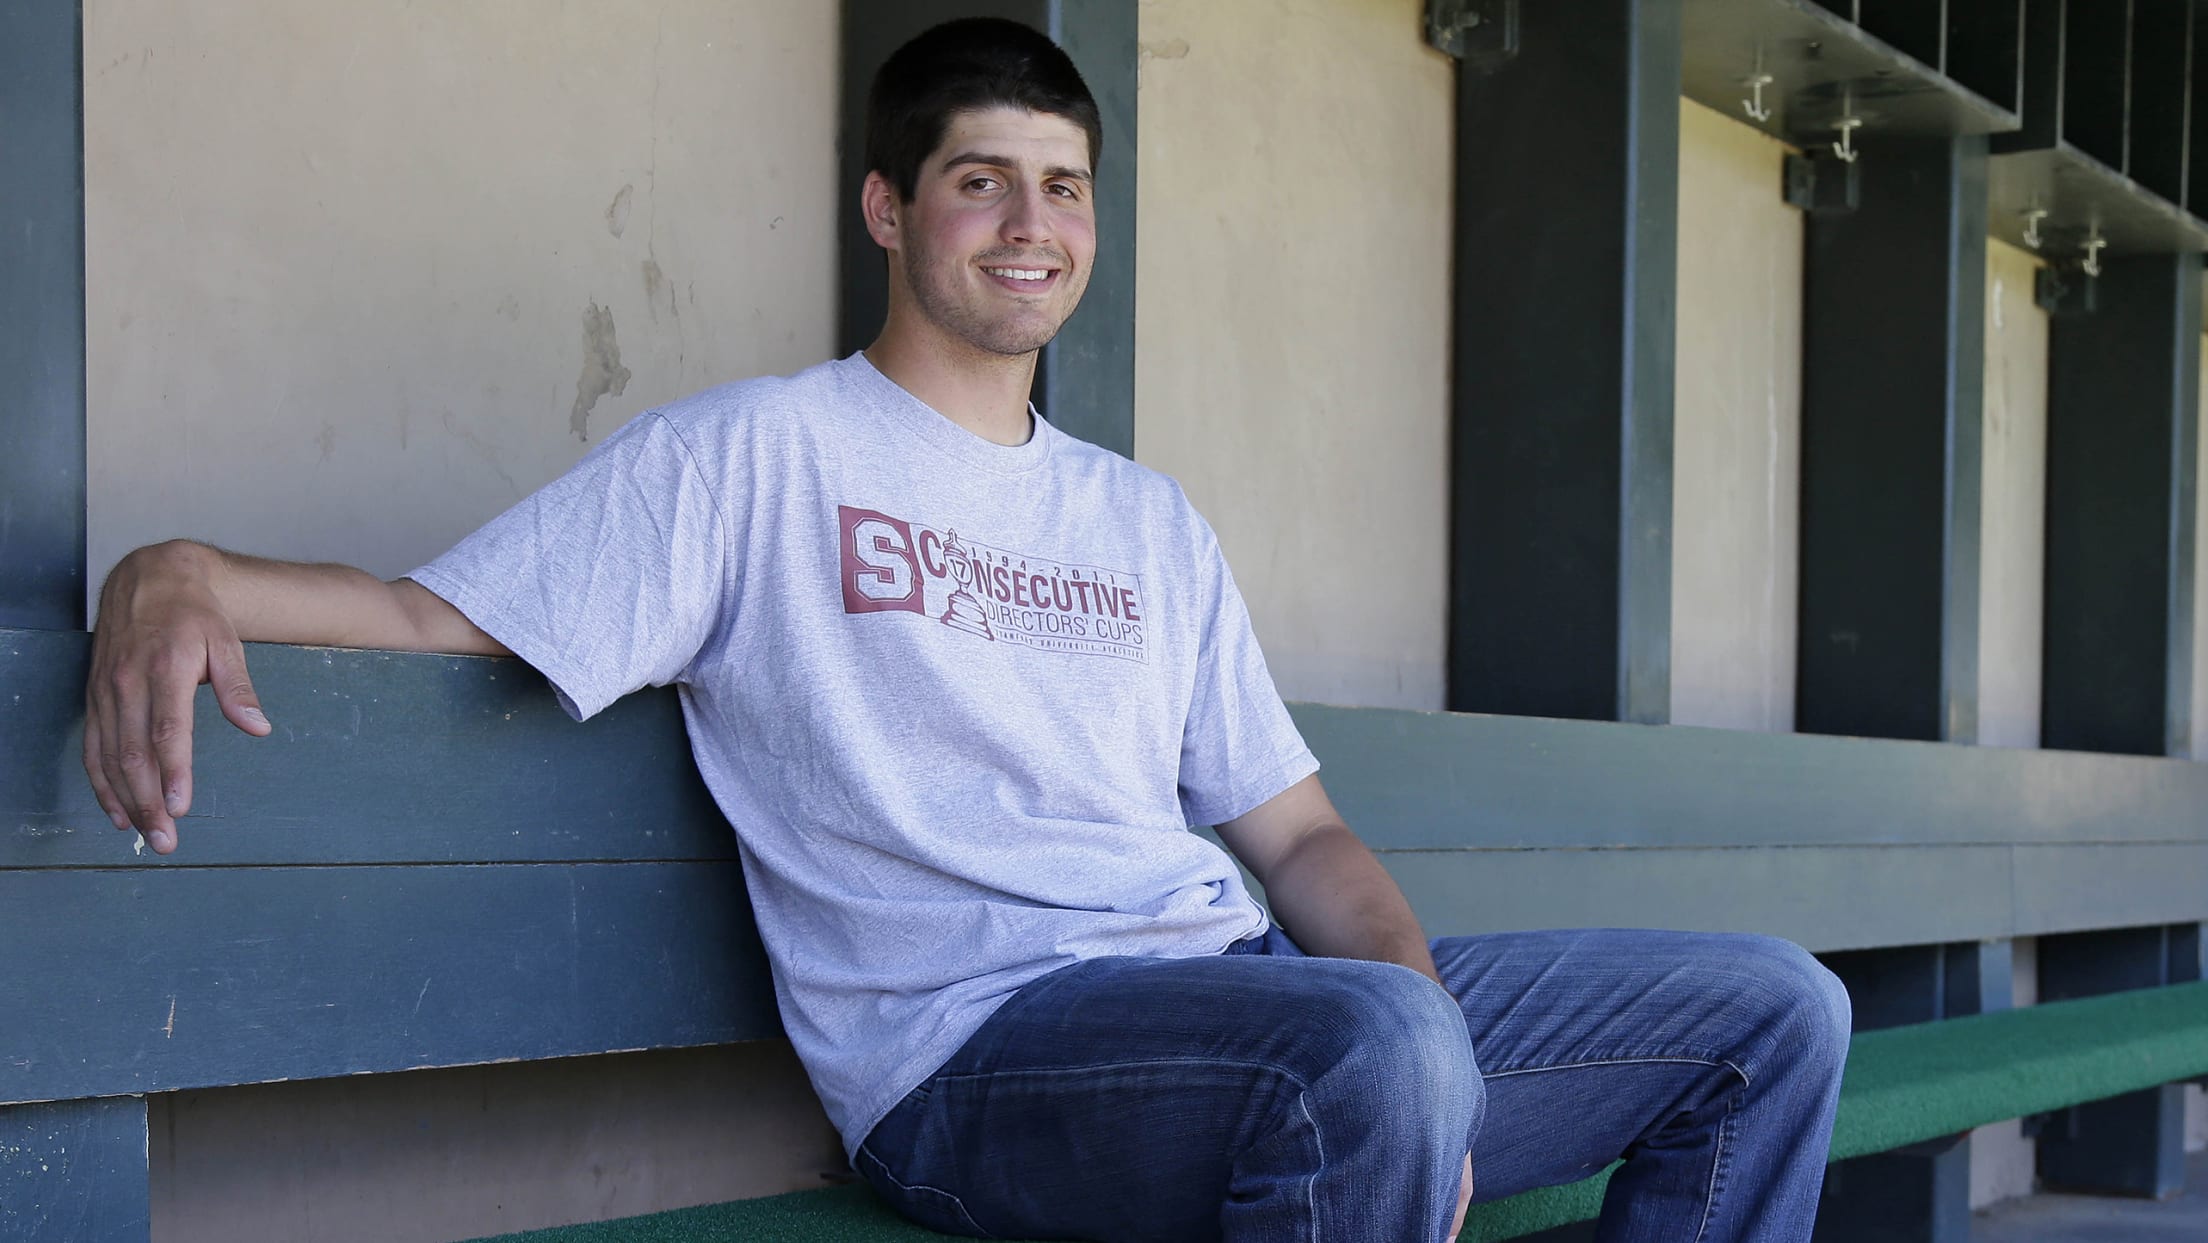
x,y
1010,342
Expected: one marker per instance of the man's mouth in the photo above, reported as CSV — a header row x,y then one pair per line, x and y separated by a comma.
x,y
1025,279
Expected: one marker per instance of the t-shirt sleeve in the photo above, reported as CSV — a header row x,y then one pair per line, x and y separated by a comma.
x,y
1239,747
607,579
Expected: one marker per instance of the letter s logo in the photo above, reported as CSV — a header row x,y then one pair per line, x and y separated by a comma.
x,y
882,547
880,573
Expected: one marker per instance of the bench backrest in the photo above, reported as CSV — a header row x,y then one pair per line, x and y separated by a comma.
x,y
428,864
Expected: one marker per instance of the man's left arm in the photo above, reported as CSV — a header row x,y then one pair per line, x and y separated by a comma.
x,y
1331,895
1323,884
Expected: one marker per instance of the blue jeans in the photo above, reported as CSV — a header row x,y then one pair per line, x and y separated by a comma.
x,y
1262,1095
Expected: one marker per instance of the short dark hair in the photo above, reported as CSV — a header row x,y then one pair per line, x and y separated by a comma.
x,y
963,66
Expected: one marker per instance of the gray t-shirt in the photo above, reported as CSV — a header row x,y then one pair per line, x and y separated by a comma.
x,y
960,700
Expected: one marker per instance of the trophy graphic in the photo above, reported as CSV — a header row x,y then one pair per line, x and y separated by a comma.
x,y
963,611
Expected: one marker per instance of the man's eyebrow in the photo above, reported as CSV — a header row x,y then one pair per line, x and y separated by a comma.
x,y
1005,161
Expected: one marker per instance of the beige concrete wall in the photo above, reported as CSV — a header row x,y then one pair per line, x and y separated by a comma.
x,y
444,1154
2012,534
1324,469
358,276
1737,430
1293,324
2013,485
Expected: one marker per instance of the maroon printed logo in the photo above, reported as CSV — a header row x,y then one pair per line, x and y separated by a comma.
x,y
880,573
894,566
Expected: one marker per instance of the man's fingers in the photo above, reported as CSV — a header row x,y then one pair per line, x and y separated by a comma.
x,y
97,771
233,689
134,760
111,759
170,729
1464,1202
99,733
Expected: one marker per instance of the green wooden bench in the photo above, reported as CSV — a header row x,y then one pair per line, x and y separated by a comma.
x,y
411,803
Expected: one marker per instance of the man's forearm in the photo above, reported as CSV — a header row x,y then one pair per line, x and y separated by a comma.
x,y
1335,899
317,605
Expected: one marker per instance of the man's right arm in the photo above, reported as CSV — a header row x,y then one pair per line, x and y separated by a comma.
x,y
175,615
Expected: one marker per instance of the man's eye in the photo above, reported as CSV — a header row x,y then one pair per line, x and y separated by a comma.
x,y
982,183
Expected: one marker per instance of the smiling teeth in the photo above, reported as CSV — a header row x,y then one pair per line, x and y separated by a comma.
x,y
1020,274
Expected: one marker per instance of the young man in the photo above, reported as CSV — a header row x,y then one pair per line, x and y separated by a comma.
x,y
962,683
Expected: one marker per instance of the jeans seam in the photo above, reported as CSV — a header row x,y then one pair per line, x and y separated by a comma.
x,y
1727,1062
1095,1067
955,1202
1718,1156
1311,1184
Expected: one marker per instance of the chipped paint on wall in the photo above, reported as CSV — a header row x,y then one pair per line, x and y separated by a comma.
x,y
617,212
602,369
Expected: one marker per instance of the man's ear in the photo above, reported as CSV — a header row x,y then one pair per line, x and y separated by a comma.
x,y
881,208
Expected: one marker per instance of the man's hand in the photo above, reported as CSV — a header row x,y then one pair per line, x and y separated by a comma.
x,y
1464,1201
175,615
161,633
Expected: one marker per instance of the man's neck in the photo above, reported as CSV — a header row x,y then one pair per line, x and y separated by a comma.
x,y
982,392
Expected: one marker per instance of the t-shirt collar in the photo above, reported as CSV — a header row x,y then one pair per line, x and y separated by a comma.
x,y
937,428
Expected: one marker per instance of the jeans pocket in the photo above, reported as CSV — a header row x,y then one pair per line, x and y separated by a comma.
x,y
932,1207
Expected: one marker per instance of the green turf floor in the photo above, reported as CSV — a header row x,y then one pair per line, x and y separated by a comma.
x,y
1904,1085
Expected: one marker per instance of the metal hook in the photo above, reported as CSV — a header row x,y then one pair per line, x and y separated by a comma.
x,y
1845,148
1755,82
2032,217
2093,245
1753,105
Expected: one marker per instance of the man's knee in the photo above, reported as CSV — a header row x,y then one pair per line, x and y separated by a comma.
x,y
1396,1045
1811,1015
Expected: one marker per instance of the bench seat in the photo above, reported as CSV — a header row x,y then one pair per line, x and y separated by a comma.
x,y
1904,1085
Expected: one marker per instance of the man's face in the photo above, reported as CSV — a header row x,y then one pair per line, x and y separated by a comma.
x,y
995,247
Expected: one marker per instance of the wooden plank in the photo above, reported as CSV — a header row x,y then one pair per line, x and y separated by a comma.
x,y
75,1172
1891,453
2122,411
378,757
126,981
396,758
1565,285
1826,898
42,317
1434,780
2110,885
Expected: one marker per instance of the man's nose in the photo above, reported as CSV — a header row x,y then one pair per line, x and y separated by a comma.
x,y
1027,216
